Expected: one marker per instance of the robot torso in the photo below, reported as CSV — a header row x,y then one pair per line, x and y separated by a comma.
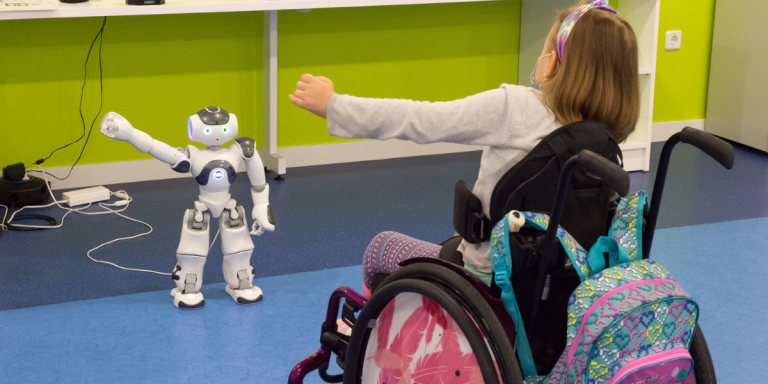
x,y
214,170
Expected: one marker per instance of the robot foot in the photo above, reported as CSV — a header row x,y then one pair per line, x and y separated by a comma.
x,y
187,301
247,296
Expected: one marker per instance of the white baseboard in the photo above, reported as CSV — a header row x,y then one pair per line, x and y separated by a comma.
x,y
110,173
300,156
367,150
663,131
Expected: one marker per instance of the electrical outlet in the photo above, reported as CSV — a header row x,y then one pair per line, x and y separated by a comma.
x,y
673,41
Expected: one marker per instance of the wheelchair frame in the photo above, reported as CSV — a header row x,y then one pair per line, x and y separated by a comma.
x,y
475,305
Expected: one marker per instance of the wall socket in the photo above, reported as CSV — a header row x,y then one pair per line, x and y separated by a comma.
x,y
673,41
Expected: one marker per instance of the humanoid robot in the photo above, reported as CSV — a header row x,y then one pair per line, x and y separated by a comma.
x,y
214,169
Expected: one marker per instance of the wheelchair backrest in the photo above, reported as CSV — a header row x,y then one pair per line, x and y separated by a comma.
x,y
530,185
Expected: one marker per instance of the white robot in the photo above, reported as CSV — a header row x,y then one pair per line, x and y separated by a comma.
x,y
214,169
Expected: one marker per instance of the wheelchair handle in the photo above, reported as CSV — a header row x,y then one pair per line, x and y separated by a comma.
x,y
713,146
615,176
597,165
716,148
610,173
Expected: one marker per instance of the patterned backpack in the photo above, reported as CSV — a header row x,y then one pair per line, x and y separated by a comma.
x,y
628,323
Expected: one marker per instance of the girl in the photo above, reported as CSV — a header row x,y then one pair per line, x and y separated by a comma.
x,y
588,70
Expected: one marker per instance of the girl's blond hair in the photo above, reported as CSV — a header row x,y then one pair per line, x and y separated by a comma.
x,y
598,76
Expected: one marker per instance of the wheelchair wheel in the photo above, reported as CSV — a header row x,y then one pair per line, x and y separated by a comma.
x,y
703,368
476,347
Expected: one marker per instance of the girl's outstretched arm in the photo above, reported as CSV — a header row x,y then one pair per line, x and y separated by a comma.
x,y
482,119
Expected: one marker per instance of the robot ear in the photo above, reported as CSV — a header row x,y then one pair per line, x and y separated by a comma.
x,y
189,128
232,124
195,127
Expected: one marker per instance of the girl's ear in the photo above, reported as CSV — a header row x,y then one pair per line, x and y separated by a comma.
x,y
552,66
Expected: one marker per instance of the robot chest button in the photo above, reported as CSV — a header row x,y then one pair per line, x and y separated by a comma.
x,y
217,170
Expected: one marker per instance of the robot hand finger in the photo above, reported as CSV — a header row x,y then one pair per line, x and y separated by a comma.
x,y
108,125
112,126
267,226
256,229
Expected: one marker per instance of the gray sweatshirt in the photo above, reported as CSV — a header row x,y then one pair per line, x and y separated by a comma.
x,y
508,121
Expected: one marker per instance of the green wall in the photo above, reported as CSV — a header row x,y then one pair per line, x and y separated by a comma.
x,y
158,70
682,77
422,52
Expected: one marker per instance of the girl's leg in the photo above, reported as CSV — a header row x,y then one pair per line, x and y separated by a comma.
x,y
387,250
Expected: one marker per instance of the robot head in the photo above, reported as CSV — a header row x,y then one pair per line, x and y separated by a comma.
x,y
212,126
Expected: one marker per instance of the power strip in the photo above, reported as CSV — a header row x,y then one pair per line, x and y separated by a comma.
x,y
85,196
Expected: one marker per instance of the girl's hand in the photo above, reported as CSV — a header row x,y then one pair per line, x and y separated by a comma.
x,y
313,93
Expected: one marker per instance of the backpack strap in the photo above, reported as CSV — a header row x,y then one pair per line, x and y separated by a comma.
x,y
625,236
501,259
575,252
609,245
627,224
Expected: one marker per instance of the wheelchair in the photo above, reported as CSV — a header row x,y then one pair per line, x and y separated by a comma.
x,y
432,321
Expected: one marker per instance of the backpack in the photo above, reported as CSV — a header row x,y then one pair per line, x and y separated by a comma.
x,y
628,322
530,185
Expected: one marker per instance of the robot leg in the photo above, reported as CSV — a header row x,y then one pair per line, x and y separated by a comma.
x,y
191,254
237,246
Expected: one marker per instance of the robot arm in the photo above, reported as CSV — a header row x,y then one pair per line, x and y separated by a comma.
x,y
262,212
118,128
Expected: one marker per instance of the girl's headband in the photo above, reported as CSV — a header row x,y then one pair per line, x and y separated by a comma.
x,y
570,21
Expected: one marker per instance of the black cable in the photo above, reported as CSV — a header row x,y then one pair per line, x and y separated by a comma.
x,y
11,227
46,172
82,92
51,222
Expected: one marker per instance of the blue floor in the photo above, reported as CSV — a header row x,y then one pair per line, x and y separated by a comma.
x,y
325,218
326,215
142,338
64,318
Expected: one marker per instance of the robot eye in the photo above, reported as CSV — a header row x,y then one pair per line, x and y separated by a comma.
x,y
225,129
207,131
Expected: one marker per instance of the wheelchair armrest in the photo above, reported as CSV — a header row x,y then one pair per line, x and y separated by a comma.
x,y
469,221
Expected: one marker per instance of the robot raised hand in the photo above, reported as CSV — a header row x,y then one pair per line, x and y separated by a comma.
x,y
214,169
116,127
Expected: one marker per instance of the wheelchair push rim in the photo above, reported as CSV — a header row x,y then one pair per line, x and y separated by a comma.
x,y
461,301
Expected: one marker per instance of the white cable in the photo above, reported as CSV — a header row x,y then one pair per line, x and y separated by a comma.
x,y
55,202
124,238
2,222
70,210
214,239
127,200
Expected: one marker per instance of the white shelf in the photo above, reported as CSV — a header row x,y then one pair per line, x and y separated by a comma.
x,y
96,8
632,144
119,8
645,71
374,3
